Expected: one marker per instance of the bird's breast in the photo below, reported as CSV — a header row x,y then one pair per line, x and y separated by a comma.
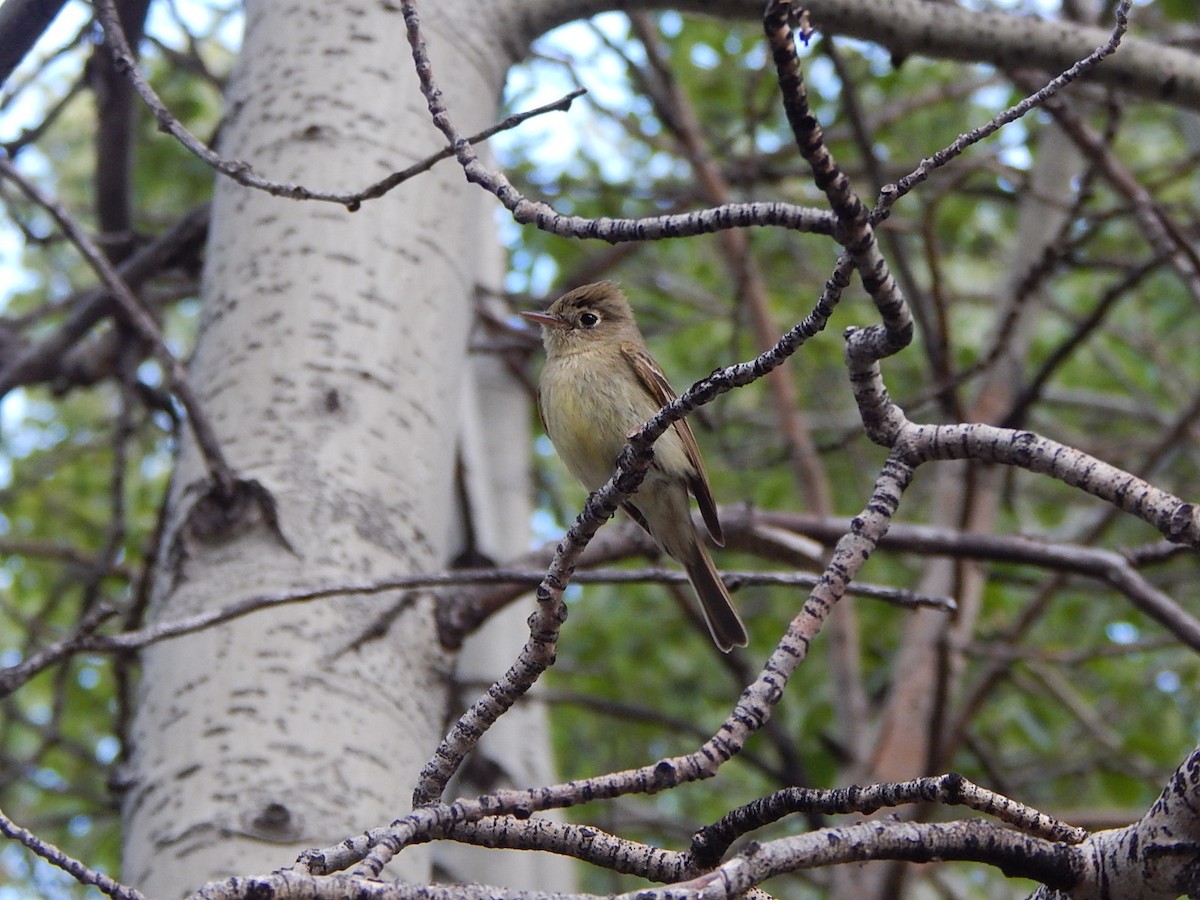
x,y
589,405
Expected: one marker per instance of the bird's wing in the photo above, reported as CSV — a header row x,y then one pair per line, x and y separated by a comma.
x,y
656,384
542,412
636,514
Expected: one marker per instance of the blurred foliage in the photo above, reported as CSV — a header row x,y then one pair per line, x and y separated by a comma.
x,y
80,491
1117,395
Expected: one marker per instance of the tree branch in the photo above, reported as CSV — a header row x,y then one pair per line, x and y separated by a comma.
x,y
73,867
1148,69
142,324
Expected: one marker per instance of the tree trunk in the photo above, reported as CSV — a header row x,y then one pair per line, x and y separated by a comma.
x,y
331,361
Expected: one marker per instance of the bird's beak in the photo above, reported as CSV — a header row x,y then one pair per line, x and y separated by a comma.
x,y
544,319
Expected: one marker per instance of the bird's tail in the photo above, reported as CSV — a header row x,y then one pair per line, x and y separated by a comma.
x,y
724,623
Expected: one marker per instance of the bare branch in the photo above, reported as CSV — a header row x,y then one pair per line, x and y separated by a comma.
x,y
711,843
12,677
141,322
1153,70
242,172
751,713
855,231
891,193
21,24
42,361
72,867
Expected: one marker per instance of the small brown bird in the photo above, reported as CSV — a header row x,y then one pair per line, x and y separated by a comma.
x,y
599,384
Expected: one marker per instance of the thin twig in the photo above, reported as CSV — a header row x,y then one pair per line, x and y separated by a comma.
x,y
73,867
711,843
242,172
891,193
12,677
141,322
43,360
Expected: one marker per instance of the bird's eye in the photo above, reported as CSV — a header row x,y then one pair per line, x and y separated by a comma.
x,y
589,320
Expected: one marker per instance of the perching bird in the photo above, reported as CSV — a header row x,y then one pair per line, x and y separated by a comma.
x,y
599,385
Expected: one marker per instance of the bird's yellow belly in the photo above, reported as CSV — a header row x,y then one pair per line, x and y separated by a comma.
x,y
593,417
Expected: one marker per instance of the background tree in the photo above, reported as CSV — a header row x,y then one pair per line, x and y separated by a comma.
x,y
334,447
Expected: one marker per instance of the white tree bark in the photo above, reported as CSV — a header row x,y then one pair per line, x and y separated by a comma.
x,y
332,362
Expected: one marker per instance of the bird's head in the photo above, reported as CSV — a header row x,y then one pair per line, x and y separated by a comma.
x,y
585,317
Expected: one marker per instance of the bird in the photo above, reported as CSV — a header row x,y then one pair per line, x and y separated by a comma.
x,y
598,386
